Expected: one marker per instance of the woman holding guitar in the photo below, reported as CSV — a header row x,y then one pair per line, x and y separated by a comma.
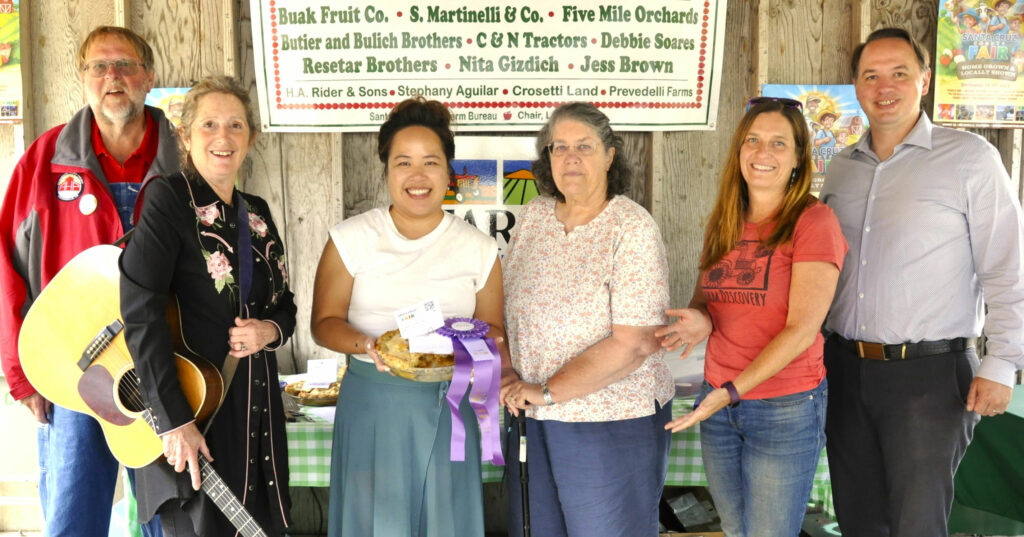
x,y
215,252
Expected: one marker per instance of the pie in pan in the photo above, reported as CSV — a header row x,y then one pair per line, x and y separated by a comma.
x,y
313,396
394,352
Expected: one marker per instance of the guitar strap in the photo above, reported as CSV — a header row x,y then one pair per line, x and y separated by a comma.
x,y
227,371
124,238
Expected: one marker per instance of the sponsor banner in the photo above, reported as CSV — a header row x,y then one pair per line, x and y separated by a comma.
x,y
649,65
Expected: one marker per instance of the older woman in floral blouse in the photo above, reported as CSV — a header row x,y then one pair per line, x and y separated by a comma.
x,y
585,288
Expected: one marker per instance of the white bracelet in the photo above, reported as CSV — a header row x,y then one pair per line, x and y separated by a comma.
x,y
547,394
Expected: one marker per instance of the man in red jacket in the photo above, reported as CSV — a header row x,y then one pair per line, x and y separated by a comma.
x,y
77,187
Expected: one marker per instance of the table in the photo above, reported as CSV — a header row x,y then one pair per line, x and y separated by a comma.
x,y
309,459
988,497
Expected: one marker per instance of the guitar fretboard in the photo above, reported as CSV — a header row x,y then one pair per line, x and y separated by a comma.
x,y
218,491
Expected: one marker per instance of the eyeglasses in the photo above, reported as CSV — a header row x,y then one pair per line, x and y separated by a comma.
x,y
560,150
788,103
123,67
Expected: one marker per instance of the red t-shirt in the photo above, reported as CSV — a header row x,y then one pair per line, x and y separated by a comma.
x,y
747,294
134,168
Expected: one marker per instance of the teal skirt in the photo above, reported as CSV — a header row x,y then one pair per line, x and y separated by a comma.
x,y
391,473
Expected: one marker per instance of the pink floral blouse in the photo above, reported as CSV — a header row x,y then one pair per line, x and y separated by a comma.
x,y
564,291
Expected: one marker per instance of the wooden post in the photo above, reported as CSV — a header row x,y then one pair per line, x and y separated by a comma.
x,y
657,176
863,20
1015,163
763,23
27,132
337,206
121,11
229,37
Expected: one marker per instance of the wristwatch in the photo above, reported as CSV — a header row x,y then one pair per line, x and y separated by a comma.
x,y
547,394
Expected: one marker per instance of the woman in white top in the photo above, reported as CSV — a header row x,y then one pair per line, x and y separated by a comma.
x,y
390,468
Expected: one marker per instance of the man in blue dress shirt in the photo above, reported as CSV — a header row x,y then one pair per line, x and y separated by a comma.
x,y
936,235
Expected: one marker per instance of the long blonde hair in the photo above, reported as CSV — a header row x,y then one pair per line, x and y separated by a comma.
x,y
725,227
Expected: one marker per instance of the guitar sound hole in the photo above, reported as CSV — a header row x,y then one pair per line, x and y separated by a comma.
x,y
129,393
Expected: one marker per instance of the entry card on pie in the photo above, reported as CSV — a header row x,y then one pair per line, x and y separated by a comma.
x,y
321,373
432,343
419,319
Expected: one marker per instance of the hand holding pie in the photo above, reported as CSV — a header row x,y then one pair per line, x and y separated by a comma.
x,y
422,367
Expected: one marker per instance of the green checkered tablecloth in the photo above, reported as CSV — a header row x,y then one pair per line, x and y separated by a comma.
x,y
309,459
309,453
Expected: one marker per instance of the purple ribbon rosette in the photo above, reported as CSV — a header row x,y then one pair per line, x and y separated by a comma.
x,y
476,357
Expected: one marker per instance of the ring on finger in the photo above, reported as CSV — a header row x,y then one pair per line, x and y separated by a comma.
x,y
244,347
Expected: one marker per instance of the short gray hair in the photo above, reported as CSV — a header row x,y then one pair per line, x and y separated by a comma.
x,y
588,114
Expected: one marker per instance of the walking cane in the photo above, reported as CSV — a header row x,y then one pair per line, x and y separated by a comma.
x,y
524,477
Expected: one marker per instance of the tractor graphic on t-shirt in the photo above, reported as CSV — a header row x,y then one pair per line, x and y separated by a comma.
x,y
740,270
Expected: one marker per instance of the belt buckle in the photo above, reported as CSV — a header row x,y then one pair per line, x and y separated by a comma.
x,y
871,351
889,352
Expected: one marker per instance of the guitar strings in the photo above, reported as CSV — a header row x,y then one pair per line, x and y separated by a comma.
x,y
210,479
129,390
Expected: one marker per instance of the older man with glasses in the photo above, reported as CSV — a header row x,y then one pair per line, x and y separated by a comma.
x,y
77,187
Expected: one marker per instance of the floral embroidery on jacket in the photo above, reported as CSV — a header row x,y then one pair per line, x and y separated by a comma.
x,y
212,229
208,215
257,225
219,267
284,271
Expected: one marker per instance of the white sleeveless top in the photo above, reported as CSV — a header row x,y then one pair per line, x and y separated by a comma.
x,y
450,264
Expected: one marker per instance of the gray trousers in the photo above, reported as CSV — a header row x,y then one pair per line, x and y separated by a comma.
x,y
896,433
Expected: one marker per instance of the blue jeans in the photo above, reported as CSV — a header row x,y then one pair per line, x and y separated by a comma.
x,y
77,476
125,195
760,457
595,478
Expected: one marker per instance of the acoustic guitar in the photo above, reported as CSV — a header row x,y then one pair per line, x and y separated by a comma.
x,y
73,352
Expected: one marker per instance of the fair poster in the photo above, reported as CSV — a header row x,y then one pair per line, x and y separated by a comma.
x,y
170,100
11,97
978,64
499,65
492,183
834,118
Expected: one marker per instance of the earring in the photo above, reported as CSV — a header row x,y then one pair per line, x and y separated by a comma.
x,y
792,177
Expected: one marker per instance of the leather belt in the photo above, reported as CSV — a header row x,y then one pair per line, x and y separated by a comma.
x,y
905,351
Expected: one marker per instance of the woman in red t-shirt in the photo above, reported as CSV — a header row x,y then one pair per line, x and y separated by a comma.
x,y
771,259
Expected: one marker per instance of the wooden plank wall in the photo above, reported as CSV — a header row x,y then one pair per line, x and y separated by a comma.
x,y
313,180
